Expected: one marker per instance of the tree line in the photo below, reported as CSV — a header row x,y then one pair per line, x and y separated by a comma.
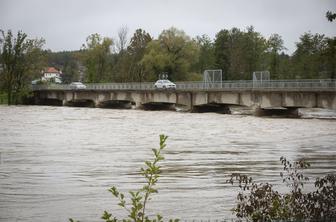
x,y
141,58
237,52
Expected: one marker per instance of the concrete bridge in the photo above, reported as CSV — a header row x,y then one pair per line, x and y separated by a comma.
x,y
261,97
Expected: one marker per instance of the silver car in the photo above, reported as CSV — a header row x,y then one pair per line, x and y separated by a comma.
x,y
164,84
77,85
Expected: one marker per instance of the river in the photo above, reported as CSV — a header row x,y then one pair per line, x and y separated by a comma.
x,y
59,162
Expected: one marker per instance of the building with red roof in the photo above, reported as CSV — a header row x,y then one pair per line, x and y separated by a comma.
x,y
51,74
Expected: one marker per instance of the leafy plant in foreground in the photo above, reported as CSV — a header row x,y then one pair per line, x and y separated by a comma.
x,y
260,202
138,201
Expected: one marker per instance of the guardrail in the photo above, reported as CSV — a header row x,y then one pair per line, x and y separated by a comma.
x,y
311,84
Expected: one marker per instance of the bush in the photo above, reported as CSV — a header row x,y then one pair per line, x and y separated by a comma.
x,y
260,202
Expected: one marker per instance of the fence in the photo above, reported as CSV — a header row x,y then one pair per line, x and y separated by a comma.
x,y
311,84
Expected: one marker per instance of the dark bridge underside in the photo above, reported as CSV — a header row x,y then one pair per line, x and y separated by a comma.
x,y
116,104
212,107
49,102
291,112
255,102
158,106
81,103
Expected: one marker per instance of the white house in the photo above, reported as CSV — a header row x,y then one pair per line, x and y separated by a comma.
x,y
52,75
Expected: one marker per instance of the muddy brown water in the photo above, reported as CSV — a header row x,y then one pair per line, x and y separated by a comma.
x,y
58,162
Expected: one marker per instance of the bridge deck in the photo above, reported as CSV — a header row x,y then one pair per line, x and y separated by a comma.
x,y
273,85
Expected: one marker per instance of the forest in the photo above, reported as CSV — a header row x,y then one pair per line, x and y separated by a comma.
x,y
237,52
139,57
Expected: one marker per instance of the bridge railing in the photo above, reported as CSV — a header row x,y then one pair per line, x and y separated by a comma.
x,y
311,84
120,86
321,84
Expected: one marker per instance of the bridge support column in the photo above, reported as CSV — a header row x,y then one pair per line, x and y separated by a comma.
x,y
96,103
64,102
138,105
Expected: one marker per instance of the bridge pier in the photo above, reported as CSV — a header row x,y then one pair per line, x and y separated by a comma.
x,y
264,101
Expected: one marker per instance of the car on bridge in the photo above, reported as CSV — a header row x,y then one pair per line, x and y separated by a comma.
x,y
164,84
77,85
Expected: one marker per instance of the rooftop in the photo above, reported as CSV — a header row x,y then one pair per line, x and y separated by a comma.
x,y
51,70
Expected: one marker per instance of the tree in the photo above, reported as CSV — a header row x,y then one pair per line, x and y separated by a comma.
x,y
330,16
136,51
121,43
255,49
308,57
222,52
206,54
68,62
330,58
95,57
275,46
20,58
239,53
174,52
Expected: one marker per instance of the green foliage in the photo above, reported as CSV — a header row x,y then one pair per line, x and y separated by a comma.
x,y
330,16
20,58
275,46
329,59
136,208
239,53
96,55
136,51
260,202
308,57
207,59
173,52
68,62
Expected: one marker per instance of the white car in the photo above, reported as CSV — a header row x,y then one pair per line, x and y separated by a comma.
x,y
164,84
77,85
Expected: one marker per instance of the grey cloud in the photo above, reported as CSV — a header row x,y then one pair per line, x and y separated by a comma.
x,y
66,23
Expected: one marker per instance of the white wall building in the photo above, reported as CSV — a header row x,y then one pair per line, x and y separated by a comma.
x,y
52,75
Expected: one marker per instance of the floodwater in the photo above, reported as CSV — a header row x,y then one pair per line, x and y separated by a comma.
x,y
58,162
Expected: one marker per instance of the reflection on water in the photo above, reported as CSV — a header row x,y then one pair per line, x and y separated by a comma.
x,y
58,162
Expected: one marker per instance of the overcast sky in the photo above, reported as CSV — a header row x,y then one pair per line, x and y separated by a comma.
x,y
65,24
